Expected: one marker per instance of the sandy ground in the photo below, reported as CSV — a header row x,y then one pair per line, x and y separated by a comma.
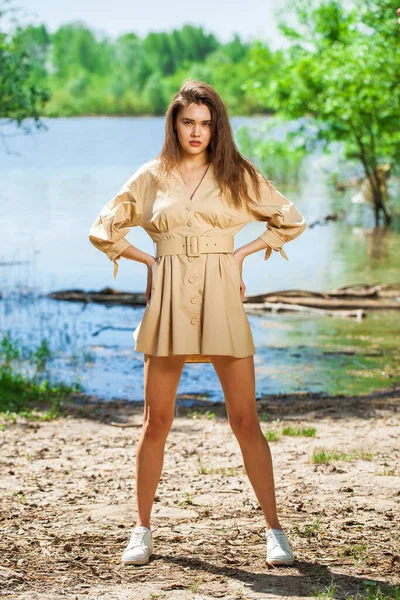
x,y
68,504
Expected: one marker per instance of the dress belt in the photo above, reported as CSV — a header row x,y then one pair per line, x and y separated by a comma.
x,y
194,245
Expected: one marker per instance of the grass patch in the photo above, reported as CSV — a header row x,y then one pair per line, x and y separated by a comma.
x,y
239,595
196,583
263,416
195,414
30,395
299,431
356,551
387,472
374,591
309,529
272,436
188,499
324,456
226,471
326,594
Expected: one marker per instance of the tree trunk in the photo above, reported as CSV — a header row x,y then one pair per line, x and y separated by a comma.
x,y
378,197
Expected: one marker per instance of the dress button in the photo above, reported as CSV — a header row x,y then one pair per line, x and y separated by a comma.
x,y
190,222
193,321
192,279
189,207
193,300
190,259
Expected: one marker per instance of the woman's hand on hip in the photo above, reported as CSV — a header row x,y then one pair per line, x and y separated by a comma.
x,y
238,258
149,280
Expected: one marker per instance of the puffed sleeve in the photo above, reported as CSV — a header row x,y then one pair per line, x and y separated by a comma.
x,y
283,221
115,220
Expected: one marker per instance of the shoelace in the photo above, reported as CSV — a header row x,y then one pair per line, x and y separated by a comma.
x,y
278,538
137,539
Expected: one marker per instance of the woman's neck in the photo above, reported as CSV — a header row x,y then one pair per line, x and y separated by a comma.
x,y
189,162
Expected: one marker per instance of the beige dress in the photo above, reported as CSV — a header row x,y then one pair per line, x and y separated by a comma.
x,y
195,306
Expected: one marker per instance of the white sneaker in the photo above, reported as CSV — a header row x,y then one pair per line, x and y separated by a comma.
x,y
140,547
278,549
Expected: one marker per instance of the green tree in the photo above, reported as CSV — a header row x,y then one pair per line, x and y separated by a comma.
x,y
167,52
263,69
132,66
36,42
20,98
342,72
235,50
153,94
76,47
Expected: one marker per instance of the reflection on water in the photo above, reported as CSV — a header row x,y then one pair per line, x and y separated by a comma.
x,y
50,196
378,244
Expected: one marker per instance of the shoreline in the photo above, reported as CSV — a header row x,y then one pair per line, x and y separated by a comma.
x,y
283,404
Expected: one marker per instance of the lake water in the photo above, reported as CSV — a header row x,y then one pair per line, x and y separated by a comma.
x,y
54,184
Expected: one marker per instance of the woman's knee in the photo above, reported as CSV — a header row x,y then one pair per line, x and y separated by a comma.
x,y
245,424
156,427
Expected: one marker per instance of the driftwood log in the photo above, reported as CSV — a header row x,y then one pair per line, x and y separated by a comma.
x,y
349,301
274,307
107,296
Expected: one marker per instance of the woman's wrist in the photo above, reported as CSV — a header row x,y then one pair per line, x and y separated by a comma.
x,y
240,253
150,261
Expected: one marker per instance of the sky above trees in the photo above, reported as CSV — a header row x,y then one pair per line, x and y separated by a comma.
x,y
250,19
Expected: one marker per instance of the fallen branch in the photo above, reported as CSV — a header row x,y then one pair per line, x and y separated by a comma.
x,y
334,304
257,309
105,296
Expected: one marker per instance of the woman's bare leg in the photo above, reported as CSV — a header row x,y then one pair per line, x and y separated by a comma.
x,y
237,379
161,379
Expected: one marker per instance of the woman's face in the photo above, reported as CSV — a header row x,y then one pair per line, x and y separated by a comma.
x,y
193,127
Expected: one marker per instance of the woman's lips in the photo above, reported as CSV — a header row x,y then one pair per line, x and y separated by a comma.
x,y
195,143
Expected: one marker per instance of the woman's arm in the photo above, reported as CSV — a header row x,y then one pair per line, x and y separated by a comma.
x,y
250,248
240,254
283,224
133,253
115,220
283,221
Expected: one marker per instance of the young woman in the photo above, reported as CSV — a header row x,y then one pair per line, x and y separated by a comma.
x,y
192,200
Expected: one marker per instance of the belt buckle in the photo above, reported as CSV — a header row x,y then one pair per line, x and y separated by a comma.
x,y
192,245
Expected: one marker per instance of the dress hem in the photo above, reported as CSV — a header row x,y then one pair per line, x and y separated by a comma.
x,y
197,353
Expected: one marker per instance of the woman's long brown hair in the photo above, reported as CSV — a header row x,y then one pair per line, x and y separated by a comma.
x,y
230,166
